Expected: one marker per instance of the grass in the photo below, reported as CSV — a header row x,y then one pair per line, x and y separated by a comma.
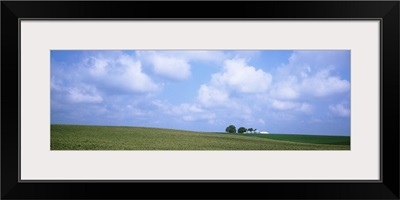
x,y
312,139
76,137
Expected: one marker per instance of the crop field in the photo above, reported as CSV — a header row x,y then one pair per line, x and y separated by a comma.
x,y
77,137
312,139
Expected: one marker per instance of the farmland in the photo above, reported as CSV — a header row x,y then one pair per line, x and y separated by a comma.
x,y
313,139
78,137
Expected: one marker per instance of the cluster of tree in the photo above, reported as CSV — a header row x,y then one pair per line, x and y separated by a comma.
x,y
232,129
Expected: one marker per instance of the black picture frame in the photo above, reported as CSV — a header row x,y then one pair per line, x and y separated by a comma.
x,y
386,11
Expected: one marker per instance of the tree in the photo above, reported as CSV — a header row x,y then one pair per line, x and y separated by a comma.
x,y
250,129
231,129
242,130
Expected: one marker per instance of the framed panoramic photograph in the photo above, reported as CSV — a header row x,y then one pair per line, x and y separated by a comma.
x,y
190,99
291,100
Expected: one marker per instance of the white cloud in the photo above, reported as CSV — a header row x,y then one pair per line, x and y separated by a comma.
x,y
171,67
206,56
56,84
235,76
186,108
78,96
210,117
283,105
314,60
287,89
176,64
289,105
239,76
185,111
83,94
340,110
235,88
120,72
310,73
306,108
98,66
212,96
322,84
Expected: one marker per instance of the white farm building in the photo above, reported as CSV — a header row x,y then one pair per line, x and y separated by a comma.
x,y
256,132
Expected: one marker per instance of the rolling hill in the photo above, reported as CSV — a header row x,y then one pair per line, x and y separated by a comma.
x,y
79,137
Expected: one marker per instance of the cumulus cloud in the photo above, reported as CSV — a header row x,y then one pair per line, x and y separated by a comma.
x,y
176,65
212,96
239,76
340,110
120,72
287,88
235,77
310,73
81,93
97,87
171,67
324,84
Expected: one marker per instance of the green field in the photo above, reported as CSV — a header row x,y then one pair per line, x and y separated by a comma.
x,y
312,139
76,137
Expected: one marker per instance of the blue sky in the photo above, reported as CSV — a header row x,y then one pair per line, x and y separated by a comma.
x,y
295,92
